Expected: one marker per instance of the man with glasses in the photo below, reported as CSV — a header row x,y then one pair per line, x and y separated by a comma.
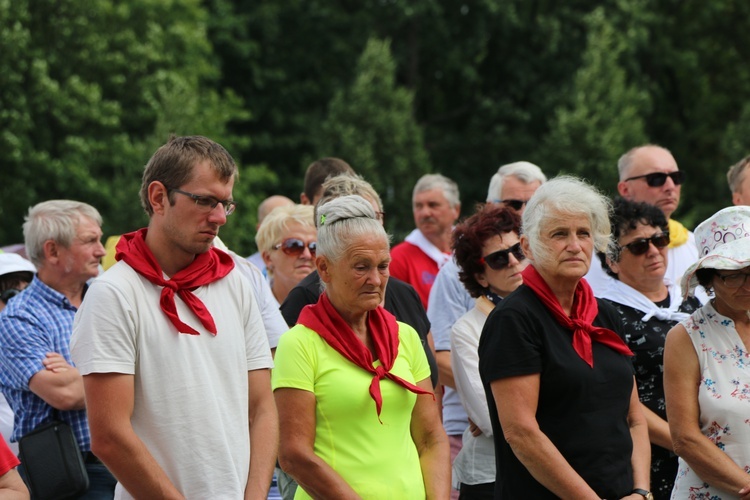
x,y
171,345
512,185
38,377
650,174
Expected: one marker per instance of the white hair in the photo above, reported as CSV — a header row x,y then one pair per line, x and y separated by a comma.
x,y
56,220
524,171
428,182
343,220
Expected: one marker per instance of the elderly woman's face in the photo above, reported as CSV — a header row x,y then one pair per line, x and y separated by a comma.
x,y
638,268
732,289
506,279
356,283
292,261
564,248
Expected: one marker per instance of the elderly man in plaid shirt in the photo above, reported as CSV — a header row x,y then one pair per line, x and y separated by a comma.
x,y
63,240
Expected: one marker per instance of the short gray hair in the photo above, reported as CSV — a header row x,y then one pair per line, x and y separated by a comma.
x,y
429,182
524,171
343,220
566,195
626,161
56,220
737,174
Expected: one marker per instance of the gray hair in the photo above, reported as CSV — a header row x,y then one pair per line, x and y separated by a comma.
x,y
345,185
56,220
429,182
343,220
737,174
566,195
626,161
524,171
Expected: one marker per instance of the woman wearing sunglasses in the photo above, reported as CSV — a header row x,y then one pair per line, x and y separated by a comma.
x,y
707,366
286,240
648,307
565,414
488,252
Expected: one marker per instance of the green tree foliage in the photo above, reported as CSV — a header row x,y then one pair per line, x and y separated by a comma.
x,y
371,125
605,115
88,90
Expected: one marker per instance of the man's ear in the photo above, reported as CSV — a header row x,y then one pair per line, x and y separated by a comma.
x,y
623,189
526,248
158,196
304,200
51,250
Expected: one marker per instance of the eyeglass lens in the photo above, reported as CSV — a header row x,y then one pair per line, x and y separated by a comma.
x,y
658,179
734,280
500,259
294,246
514,204
640,246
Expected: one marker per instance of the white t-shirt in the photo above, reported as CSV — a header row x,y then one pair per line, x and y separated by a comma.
x,y
191,391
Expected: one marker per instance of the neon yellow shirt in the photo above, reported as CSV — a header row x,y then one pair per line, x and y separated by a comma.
x,y
379,461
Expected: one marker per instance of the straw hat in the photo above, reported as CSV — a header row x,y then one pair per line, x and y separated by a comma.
x,y
723,242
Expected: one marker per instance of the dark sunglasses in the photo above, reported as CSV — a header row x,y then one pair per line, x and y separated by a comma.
x,y
657,179
640,246
514,204
296,247
8,294
500,259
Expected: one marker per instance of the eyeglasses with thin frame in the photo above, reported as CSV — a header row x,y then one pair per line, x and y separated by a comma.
x,y
501,259
734,280
296,247
641,245
514,204
658,179
208,202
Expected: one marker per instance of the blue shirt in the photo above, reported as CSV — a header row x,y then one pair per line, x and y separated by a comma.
x,y
37,321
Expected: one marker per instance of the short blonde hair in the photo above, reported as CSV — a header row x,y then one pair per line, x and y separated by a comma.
x,y
278,221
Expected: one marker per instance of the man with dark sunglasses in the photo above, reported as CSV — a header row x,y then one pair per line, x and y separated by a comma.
x,y
650,174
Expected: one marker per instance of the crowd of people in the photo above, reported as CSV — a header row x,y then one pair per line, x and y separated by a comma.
x,y
553,343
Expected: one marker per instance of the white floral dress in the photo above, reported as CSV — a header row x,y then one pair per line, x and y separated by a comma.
x,y
723,396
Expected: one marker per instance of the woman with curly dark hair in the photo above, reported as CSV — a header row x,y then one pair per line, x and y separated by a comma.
x,y
488,253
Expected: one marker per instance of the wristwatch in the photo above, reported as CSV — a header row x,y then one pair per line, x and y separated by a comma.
x,y
645,494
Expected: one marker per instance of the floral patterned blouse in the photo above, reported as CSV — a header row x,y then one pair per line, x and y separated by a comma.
x,y
646,340
723,397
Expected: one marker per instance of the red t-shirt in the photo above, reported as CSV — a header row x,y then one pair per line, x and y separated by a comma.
x,y
7,459
409,263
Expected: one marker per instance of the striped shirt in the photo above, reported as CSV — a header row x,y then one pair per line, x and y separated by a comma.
x,y
37,321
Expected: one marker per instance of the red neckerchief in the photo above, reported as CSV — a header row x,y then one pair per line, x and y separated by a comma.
x,y
206,268
325,320
582,314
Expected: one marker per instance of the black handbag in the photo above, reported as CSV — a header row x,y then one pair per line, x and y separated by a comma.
x,y
53,463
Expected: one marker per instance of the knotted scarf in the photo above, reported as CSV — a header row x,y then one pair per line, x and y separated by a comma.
x,y
325,320
582,314
206,268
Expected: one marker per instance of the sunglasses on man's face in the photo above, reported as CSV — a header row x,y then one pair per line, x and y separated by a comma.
x,y
514,204
640,246
296,247
500,259
658,179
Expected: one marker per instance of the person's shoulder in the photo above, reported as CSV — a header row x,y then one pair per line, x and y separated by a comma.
x,y
401,288
402,249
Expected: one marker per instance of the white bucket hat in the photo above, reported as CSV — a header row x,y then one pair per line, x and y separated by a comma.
x,y
13,263
723,242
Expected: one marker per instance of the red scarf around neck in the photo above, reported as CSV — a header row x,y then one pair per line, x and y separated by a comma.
x,y
206,268
582,314
325,320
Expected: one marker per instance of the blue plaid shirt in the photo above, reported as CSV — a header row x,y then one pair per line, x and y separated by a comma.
x,y
37,321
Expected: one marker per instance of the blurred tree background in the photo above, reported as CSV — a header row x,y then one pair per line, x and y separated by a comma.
x,y
88,90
